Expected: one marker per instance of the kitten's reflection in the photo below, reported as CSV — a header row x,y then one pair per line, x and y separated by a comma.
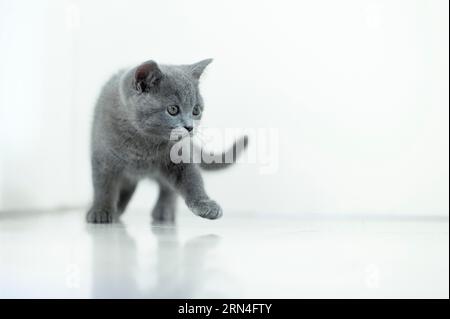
x,y
180,269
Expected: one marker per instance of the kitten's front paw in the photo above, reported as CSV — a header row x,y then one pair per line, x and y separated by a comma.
x,y
98,216
206,208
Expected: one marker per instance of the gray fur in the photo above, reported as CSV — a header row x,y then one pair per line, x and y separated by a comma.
x,y
131,141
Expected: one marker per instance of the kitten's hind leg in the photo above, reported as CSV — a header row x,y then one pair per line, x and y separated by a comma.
x,y
126,191
165,207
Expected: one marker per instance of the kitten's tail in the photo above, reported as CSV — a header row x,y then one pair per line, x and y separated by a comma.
x,y
225,159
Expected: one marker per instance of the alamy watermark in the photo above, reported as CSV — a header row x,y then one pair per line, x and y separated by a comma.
x,y
230,147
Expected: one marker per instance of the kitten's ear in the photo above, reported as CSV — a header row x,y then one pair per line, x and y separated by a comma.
x,y
147,76
198,68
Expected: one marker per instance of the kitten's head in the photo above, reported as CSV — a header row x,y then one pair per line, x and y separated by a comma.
x,y
161,99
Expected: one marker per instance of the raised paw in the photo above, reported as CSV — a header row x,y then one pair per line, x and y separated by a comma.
x,y
205,208
99,216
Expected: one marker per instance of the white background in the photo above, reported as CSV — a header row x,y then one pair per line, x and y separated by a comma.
x,y
358,91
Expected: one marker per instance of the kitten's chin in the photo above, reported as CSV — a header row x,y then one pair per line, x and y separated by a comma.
x,y
174,135
179,134
179,138
165,137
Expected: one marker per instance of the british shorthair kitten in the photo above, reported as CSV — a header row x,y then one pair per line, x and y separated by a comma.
x,y
135,115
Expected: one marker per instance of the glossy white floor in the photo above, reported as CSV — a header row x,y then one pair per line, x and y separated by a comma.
x,y
58,255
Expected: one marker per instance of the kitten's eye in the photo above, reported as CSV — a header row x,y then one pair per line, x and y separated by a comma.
x,y
173,110
196,110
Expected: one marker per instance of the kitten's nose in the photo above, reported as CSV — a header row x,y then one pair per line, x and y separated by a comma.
x,y
189,128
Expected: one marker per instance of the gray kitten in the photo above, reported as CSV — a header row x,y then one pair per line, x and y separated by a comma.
x,y
134,117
